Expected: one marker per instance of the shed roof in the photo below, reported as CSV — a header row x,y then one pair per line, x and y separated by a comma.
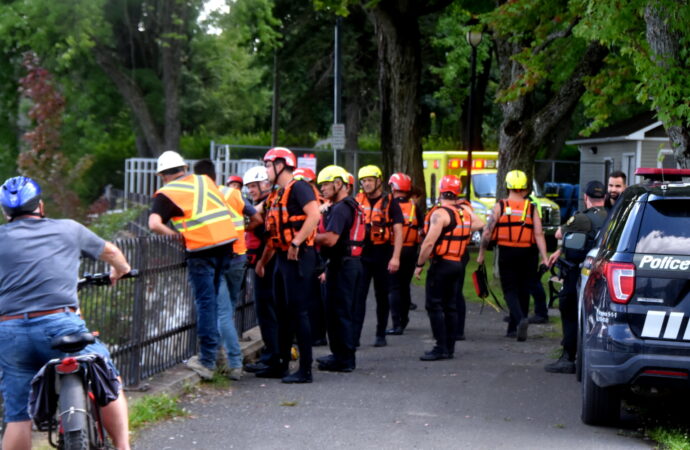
x,y
639,127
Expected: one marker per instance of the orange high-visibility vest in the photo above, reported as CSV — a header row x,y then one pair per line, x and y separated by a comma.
x,y
515,226
410,223
377,217
282,226
233,197
452,243
206,221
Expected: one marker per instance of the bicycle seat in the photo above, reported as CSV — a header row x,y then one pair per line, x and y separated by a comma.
x,y
72,343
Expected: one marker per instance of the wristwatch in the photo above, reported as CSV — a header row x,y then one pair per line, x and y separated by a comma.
x,y
419,265
292,244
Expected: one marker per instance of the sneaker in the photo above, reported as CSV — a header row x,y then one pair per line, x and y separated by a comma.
x,y
380,341
255,367
325,359
522,329
194,364
300,376
563,365
538,319
395,331
234,373
336,366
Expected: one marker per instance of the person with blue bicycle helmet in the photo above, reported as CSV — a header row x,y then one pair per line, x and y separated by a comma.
x,y
39,263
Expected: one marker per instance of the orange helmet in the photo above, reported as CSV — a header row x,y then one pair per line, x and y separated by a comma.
x,y
450,183
304,173
350,179
281,153
400,182
234,179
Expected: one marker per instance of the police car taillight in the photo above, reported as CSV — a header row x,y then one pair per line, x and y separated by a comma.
x,y
620,278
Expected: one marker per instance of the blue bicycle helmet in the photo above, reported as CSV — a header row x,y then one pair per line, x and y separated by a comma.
x,y
19,195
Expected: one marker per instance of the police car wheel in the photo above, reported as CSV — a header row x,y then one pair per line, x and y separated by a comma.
x,y
600,406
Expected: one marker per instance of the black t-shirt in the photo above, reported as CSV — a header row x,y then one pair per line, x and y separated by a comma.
x,y
338,220
300,194
165,208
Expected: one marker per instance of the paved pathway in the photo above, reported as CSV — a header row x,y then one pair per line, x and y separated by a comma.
x,y
494,394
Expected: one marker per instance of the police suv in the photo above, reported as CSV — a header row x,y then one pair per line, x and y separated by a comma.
x,y
635,303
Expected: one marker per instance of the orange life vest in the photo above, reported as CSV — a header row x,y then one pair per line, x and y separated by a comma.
x,y
452,242
281,226
410,223
233,197
377,217
515,226
206,221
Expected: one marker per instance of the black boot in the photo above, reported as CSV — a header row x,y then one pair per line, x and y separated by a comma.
x,y
300,376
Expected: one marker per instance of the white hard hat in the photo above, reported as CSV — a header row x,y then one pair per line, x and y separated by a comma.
x,y
255,174
169,159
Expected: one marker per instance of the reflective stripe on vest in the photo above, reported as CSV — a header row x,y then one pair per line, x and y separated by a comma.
x,y
410,223
206,221
515,227
452,242
233,198
282,226
376,217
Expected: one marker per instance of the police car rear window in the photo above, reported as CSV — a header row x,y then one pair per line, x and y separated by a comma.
x,y
665,228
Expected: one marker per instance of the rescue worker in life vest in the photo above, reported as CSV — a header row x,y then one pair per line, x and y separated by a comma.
x,y
269,364
515,224
341,246
399,289
445,243
380,259
291,220
579,235
195,206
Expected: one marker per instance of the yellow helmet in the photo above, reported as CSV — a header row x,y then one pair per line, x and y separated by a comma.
x,y
330,173
369,171
516,179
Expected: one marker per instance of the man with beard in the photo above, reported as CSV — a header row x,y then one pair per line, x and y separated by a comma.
x,y
615,188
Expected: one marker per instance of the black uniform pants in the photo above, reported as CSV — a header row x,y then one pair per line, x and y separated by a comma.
x,y
375,266
292,282
342,287
567,305
517,266
266,315
442,283
317,308
399,289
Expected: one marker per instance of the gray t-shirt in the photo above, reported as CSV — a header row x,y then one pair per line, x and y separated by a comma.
x,y
39,263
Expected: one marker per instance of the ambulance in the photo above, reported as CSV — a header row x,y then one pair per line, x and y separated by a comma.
x,y
437,164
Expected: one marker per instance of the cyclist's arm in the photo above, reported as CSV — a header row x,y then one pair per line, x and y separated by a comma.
x,y
118,263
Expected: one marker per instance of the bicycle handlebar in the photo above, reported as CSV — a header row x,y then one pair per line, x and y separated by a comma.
x,y
102,279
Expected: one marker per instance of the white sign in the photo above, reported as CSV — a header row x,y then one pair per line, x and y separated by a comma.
x,y
307,162
338,136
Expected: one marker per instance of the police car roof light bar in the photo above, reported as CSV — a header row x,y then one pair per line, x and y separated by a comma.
x,y
652,174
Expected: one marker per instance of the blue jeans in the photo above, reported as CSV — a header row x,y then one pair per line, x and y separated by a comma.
x,y
25,348
205,275
228,298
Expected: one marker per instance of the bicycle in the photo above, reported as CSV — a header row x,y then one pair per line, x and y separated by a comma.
x,y
81,385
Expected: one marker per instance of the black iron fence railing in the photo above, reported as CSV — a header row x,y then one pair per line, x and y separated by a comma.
x,y
149,322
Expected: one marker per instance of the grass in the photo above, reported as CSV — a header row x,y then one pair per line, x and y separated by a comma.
x,y
153,408
673,439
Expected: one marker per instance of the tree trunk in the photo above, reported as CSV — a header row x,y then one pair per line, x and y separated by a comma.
x,y
397,32
526,128
173,19
665,45
133,97
481,84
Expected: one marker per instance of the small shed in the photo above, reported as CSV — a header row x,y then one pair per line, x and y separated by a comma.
x,y
640,141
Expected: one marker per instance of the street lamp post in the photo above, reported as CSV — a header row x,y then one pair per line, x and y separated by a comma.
x,y
474,38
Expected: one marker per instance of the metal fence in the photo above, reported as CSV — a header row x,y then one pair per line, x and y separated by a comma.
x,y
149,323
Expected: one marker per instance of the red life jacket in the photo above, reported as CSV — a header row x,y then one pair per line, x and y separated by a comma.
x,y
358,229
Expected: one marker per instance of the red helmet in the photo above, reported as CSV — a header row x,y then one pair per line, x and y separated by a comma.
x,y
450,183
234,179
400,182
281,152
304,173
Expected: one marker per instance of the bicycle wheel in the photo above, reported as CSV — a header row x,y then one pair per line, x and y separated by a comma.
x,y
73,413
